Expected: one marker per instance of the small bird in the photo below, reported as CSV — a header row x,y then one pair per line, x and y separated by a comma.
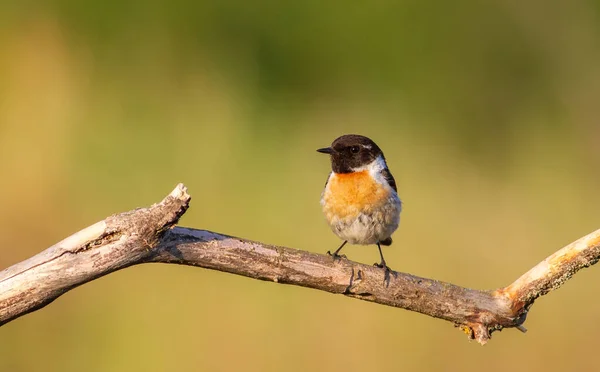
x,y
360,199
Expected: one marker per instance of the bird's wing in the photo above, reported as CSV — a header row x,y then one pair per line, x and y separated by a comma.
x,y
389,178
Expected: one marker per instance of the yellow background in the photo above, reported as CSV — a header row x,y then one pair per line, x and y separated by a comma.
x,y
487,112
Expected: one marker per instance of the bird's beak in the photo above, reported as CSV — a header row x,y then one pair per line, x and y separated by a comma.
x,y
326,150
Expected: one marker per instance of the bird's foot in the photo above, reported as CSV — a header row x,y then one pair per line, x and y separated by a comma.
x,y
336,256
383,265
387,272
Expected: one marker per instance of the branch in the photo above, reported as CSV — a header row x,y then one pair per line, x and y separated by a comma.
x,y
147,235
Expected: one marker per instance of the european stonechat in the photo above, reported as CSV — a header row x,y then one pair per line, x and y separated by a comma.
x,y
360,199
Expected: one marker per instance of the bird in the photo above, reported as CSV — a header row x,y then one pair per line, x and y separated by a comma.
x,y
360,199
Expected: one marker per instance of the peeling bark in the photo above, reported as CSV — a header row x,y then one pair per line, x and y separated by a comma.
x,y
148,235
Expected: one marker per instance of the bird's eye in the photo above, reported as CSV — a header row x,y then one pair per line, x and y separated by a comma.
x,y
354,149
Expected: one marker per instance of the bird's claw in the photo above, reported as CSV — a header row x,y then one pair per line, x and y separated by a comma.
x,y
383,265
387,272
335,255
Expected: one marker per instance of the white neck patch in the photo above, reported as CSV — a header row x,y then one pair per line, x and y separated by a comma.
x,y
374,168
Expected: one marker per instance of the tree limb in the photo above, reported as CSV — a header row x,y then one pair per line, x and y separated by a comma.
x,y
147,235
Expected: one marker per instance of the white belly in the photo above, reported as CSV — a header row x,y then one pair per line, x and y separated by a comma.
x,y
369,227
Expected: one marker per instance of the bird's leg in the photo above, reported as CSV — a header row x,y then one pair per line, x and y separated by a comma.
x,y
335,254
382,265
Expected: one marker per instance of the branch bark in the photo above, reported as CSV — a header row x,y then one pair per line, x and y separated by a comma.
x,y
148,235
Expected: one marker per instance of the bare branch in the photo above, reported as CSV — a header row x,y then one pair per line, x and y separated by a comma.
x,y
553,272
147,235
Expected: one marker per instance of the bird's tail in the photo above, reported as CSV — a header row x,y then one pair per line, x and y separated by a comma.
x,y
387,241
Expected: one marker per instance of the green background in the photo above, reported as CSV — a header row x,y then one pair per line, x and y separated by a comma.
x,y
488,113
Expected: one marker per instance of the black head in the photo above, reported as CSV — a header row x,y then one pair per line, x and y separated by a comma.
x,y
351,151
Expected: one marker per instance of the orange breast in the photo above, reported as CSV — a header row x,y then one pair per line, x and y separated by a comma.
x,y
348,194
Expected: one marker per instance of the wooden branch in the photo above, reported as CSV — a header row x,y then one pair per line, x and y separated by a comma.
x,y
147,235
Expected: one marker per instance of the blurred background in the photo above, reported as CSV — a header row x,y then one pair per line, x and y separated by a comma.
x,y
488,113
